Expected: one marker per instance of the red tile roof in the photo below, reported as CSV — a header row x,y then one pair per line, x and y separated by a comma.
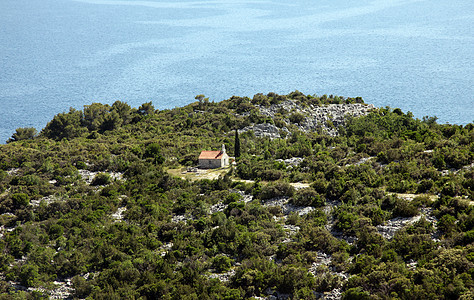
x,y
210,155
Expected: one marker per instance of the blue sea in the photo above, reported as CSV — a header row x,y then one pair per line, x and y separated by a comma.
x,y
56,54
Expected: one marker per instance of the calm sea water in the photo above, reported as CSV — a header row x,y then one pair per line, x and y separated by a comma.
x,y
56,54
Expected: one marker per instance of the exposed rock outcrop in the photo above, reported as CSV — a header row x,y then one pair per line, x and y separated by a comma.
x,y
326,118
265,130
292,162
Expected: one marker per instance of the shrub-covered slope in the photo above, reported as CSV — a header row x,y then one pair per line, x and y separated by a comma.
x,y
372,206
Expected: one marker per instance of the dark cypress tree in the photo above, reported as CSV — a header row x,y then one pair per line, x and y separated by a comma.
x,y
237,144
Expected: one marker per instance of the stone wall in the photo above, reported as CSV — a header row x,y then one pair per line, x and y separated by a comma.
x,y
209,163
214,163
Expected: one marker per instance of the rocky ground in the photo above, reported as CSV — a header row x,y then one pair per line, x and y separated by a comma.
x,y
326,118
265,130
62,287
323,264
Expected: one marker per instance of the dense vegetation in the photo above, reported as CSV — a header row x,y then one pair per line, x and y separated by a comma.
x,y
58,225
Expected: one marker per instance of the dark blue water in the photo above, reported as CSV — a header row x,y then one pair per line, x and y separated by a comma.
x,y
56,54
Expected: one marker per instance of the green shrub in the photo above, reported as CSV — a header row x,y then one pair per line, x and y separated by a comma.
x,y
355,294
404,208
277,189
82,288
29,275
101,179
30,180
447,224
20,199
153,150
308,197
297,118
81,165
55,231
468,237
345,221
232,197
222,263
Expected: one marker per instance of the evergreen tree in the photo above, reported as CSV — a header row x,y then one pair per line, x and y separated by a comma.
x,y
237,144
23,133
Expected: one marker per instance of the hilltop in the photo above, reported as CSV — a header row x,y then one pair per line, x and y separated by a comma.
x,y
329,198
